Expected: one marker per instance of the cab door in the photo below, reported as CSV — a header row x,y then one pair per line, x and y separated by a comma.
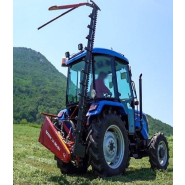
x,y
124,92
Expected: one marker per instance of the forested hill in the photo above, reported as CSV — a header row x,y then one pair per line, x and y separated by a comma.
x,y
156,125
39,87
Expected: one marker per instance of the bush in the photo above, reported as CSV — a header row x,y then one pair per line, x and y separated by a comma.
x,y
23,121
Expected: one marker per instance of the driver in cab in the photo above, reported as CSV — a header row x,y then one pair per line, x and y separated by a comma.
x,y
101,88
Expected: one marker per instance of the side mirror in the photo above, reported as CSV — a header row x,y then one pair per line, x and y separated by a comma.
x,y
133,103
136,103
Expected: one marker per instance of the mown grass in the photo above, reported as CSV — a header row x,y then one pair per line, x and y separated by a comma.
x,y
34,164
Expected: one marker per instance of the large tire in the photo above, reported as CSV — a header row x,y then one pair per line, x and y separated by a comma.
x,y
159,152
70,168
109,146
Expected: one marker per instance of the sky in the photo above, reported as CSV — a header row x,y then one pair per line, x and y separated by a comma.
x,y
140,29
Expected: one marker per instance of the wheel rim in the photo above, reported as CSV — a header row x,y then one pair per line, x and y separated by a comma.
x,y
162,153
113,146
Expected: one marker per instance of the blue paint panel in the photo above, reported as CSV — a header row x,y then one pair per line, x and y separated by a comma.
x,y
63,117
130,112
122,111
144,122
100,51
101,104
67,124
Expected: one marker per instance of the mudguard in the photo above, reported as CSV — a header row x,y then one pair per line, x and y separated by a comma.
x,y
100,106
52,140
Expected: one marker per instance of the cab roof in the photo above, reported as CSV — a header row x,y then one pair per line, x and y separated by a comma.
x,y
99,51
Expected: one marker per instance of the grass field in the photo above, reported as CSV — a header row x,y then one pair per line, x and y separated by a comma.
x,y
34,164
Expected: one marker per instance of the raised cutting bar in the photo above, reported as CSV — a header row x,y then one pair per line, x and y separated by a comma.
x,y
68,6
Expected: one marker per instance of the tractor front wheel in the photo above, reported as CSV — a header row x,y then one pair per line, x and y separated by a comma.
x,y
109,146
158,152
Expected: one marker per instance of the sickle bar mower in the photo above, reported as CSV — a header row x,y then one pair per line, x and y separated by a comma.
x,y
49,136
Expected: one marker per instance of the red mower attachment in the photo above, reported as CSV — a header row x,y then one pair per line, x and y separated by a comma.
x,y
52,140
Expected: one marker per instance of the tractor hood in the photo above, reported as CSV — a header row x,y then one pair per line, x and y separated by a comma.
x,y
97,50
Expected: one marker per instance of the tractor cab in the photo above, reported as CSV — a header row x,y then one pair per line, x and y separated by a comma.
x,y
109,77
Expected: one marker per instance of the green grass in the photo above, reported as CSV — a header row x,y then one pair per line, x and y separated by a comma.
x,y
34,164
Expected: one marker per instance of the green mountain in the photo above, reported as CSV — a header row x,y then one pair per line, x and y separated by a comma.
x,y
39,87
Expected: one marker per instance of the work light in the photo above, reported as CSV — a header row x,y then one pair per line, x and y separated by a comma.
x,y
67,54
80,47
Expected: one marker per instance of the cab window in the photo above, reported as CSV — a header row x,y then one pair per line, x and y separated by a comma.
x,y
123,80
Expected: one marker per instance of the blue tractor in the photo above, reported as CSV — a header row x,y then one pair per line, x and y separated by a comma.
x,y
101,125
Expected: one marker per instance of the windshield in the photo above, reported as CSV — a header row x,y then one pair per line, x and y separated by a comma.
x,y
103,81
103,77
74,78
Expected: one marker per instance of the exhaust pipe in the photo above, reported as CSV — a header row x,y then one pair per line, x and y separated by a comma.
x,y
140,98
140,103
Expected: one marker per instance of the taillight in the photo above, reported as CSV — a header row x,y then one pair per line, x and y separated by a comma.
x,y
64,61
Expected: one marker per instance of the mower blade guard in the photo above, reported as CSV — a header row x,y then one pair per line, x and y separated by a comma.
x,y
52,140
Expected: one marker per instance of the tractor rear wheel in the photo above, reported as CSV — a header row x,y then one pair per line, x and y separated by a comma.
x,y
70,168
158,152
109,146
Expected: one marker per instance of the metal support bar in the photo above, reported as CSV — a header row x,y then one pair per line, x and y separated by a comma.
x,y
56,18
